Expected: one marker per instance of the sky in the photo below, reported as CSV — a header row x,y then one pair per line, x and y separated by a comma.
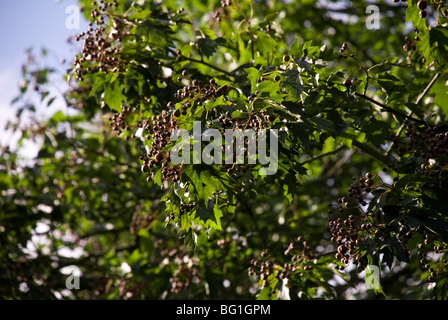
x,y
37,24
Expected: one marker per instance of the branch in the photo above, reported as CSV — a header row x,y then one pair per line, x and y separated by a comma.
x,y
322,155
201,62
339,164
351,42
371,151
389,108
64,262
102,231
419,98
227,73
428,87
362,146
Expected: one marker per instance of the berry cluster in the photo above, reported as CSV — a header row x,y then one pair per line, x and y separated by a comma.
x,y
410,44
185,268
300,253
184,275
159,130
358,191
435,267
346,234
101,7
195,93
118,120
226,120
344,53
349,232
99,49
430,145
215,16
192,95
183,208
224,243
422,5
343,48
124,287
225,3
262,268
253,120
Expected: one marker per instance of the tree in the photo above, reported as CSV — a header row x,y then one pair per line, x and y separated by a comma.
x,y
355,118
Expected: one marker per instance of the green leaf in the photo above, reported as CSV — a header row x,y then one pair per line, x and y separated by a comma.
x,y
193,176
390,83
438,40
388,256
399,249
412,15
327,54
440,91
59,116
207,46
293,85
295,49
113,96
253,75
372,279
369,245
218,215
158,177
189,237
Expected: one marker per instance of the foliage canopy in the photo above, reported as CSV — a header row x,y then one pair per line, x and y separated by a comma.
x,y
362,159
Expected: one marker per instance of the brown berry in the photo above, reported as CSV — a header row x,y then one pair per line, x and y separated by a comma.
x,y
423,14
422,4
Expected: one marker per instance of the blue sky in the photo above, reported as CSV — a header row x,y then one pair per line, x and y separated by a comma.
x,y
37,24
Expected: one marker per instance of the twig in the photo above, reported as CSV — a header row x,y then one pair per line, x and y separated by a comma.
x,y
389,108
248,22
428,87
210,65
338,164
371,151
362,146
204,63
419,98
322,155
